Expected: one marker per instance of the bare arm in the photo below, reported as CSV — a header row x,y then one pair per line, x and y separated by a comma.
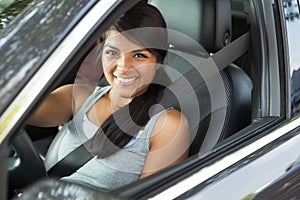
x,y
169,142
56,109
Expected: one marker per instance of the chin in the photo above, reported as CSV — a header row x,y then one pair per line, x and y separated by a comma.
x,y
130,92
125,92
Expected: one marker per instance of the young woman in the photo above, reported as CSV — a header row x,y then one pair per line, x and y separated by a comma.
x,y
114,121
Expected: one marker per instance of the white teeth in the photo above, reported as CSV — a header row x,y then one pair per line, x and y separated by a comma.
x,y
126,80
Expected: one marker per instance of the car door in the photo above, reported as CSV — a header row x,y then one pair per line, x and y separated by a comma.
x,y
269,168
236,167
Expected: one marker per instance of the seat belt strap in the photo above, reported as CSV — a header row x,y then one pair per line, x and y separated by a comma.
x,y
78,157
192,79
70,163
233,51
222,59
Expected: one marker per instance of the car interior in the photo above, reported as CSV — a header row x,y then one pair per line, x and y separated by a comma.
x,y
211,17
223,97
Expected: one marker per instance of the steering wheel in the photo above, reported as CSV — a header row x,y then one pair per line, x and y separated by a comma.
x,y
26,166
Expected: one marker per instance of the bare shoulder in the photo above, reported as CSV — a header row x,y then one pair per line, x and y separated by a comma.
x,y
171,119
173,116
172,125
83,89
169,142
80,93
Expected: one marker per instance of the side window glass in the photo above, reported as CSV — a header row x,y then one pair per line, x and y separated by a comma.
x,y
9,9
292,19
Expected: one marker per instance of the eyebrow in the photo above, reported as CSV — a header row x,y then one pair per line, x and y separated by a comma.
x,y
112,47
139,50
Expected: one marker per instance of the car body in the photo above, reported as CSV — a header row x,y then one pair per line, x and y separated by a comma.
x,y
45,44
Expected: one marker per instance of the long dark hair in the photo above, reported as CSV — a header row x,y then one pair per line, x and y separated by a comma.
x,y
126,122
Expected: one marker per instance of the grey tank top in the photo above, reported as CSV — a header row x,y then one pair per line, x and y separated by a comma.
x,y
108,173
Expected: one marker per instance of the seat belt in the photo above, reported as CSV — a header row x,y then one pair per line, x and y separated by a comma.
x,y
70,163
221,59
79,156
181,87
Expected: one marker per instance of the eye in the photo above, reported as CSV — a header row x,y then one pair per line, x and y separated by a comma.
x,y
140,55
111,53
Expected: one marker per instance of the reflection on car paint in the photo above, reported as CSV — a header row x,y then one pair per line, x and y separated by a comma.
x,y
271,162
65,12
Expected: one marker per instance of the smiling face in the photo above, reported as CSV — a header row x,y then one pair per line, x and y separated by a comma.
x,y
128,67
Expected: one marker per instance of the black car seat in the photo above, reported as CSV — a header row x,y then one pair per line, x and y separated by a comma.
x,y
209,23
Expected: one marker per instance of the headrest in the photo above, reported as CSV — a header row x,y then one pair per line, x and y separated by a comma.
x,y
206,21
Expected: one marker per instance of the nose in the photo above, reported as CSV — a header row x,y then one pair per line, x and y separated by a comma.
x,y
124,64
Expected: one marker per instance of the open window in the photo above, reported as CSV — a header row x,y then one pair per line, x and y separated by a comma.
x,y
220,81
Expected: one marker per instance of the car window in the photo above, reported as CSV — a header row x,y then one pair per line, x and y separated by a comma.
x,y
9,9
208,102
292,19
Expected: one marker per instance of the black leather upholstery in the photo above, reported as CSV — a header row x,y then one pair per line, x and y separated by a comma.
x,y
209,23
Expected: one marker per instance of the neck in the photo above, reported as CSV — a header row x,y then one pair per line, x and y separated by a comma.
x,y
117,101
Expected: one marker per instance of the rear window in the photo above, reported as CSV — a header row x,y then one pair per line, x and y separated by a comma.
x,y
9,9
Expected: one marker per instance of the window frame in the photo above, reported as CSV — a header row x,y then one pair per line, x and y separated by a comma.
x,y
187,169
